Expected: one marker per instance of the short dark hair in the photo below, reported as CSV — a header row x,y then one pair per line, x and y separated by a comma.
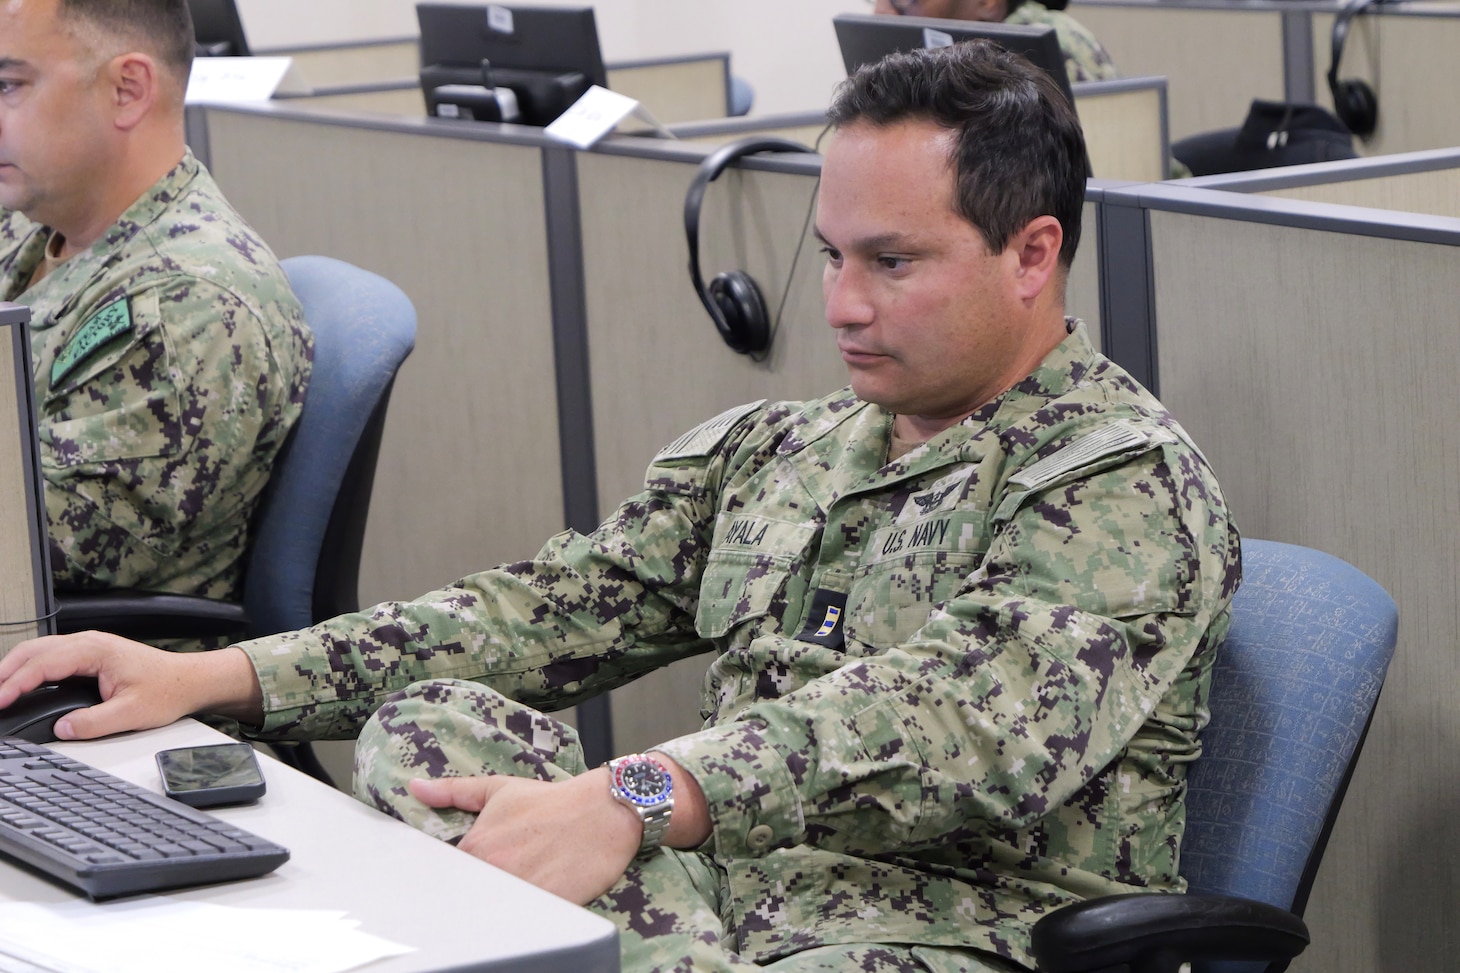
x,y
165,26
1020,153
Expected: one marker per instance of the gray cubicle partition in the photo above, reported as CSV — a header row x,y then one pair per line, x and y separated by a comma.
x,y
1221,54
382,76
353,62
1413,182
1311,350
25,577
1217,55
1125,123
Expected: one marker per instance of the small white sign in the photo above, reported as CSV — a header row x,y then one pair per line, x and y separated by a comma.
x,y
592,117
936,38
224,79
500,19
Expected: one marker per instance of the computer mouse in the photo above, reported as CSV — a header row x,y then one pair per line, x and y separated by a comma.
x,y
33,716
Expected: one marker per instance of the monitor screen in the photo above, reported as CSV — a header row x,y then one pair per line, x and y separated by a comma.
x,y
217,28
865,38
492,61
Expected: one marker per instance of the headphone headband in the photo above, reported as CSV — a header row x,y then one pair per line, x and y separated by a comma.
x,y
750,332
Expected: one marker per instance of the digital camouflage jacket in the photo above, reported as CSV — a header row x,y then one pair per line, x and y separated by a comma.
x,y
945,693
170,361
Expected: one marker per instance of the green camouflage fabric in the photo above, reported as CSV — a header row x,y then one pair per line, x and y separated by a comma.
x,y
170,362
1086,59
995,721
667,905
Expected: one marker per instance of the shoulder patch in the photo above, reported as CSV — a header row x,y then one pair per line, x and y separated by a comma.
x,y
110,322
1114,438
702,439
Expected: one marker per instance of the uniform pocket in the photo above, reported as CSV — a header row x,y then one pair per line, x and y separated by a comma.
x,y
908,570
755,564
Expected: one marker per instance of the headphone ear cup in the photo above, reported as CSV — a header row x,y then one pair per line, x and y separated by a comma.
x,y
1356,104
747,323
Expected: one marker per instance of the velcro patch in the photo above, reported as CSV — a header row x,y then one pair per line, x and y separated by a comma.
x,y
110,322
702,439
1114,438
824,624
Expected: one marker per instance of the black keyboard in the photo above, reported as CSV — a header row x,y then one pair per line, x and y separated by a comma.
x,y
108,837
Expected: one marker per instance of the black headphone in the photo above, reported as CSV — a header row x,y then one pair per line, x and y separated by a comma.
x,y
734,302
1353,100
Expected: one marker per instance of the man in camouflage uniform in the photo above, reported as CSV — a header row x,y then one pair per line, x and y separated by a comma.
x,y
170,357
1086,59
961,616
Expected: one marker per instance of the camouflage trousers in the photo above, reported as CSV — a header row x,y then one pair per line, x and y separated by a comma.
x,y
449,727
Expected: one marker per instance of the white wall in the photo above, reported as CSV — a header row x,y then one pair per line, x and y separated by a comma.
x,y
785,48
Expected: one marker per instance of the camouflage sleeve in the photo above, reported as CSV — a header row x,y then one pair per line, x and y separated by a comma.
x,y
588,613
1095,596
1086,59
153,440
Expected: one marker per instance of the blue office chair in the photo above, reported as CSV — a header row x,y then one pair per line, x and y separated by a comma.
x,y
304,557
1293,691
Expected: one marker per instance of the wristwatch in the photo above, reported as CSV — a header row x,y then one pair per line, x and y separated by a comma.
x,y
643,784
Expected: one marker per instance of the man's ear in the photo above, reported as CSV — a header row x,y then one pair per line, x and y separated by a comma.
x,y
1037,248
135,81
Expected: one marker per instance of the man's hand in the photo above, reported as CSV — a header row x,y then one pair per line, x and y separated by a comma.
x,y
569,837
141,687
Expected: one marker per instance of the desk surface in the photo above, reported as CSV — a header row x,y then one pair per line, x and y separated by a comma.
x,y
459,913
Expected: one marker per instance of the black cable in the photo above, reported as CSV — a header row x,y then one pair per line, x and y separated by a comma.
x,y
31,621
800,246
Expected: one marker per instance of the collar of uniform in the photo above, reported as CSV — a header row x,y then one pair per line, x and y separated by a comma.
x,y
819,418
22,245
151,204
148,208
1060,372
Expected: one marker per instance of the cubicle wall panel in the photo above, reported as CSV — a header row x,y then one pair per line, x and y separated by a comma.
x,y
659,366
469,472
1434,193
1082,293
1124,134
676,90
1216,61
1409,61
17,553
365,63
403,100
1317,372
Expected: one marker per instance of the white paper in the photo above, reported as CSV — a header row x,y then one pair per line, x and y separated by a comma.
x,y
592,117
160,935
225,79
933,39
500,19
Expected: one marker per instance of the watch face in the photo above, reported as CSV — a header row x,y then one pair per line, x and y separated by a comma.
x,y
642,781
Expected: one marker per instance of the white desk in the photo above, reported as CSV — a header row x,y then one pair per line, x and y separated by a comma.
x,y
459,913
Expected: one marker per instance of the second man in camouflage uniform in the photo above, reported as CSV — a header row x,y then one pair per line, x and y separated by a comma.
x,y
170,357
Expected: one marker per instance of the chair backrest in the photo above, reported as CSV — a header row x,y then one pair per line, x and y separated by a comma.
x,y
1294,688
305,556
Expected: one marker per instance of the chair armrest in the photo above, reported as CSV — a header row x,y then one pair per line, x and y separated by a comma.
x,y
148,615
1153,932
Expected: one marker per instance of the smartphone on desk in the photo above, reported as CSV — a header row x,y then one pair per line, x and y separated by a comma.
x,y
211,776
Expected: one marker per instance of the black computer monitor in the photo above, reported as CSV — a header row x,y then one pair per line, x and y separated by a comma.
x,y
547,57
865,38
217,28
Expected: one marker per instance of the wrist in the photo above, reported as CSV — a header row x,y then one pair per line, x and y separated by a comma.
x,y
689,825
229,686
645,787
